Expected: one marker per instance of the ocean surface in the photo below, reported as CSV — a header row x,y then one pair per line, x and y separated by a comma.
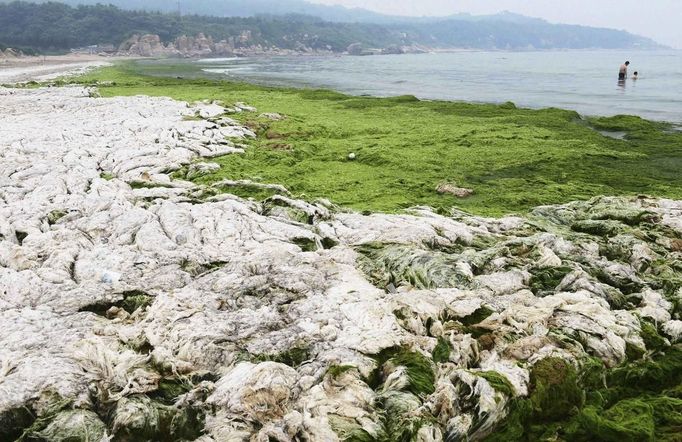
x,y
585,81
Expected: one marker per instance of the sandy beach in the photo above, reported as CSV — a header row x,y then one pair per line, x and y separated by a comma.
x,y
44,68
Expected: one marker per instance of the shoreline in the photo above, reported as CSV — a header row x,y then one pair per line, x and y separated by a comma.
x,y
45,68
613,101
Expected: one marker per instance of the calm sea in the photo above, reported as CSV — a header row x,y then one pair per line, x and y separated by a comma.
x,y
585,81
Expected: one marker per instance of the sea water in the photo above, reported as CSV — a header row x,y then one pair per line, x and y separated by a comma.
x,y
585,81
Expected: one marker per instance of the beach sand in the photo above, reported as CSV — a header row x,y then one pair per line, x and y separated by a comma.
x,y
43,68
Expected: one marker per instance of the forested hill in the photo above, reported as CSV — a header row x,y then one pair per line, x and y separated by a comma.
x,y
57,26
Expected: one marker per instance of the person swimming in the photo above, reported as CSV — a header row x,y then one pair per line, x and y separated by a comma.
x,y
623,72
635,76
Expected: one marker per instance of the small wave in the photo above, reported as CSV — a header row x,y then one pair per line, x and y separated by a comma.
x,y
216,71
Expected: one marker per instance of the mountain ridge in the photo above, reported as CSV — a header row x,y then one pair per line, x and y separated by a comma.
x,y
57,26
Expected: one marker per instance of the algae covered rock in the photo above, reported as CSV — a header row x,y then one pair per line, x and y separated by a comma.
x,y
75,425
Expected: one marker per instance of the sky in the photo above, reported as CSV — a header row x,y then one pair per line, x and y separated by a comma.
x,y
658,19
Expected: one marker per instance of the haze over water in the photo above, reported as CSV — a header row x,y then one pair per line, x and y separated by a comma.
x,y
585,81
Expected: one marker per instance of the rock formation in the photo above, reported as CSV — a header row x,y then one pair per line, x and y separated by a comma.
x,y
133,304
10,54
183,46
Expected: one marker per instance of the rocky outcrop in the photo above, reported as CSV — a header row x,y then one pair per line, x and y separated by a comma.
x,y
10,54
184,46
134,304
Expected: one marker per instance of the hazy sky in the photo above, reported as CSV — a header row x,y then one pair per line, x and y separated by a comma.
x,y
658,19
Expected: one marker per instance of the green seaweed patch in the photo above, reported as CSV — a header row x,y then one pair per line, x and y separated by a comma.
x,y
293,357
599,227
72,425
627,123
196,269
441,353
329,243
54,216
651,336
306,244
55,405
405,147
402,416
630,420
349,430
545,281
107,176
398,265
554,389
478,316
129,301
639,400
247,190
420,369
147,185
631,217
498,381
170,389
156,421
337,370
136,299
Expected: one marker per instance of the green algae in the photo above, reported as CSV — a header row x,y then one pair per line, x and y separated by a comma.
x,y
554,389
652,338
337,370
136,299
406,265
420,369
54,216
630,420
306,244
499,382
476,317
293,357
170,389
599,227
441,353
129,301
139,418
638,401
400,420
349,430
197,269
544,281
73,426
513,158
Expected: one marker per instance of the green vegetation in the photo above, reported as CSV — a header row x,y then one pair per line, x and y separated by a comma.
x,y
54,26
499,382
400,265
129,301
441,353
514,159
293,357
639,401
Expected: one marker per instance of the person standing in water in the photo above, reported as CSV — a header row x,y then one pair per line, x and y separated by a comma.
x,y
623,72
635,75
